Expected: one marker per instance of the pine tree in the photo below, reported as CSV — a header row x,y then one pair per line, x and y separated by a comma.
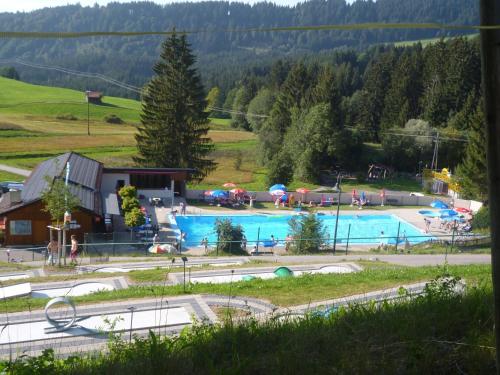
x,y
174,122
472,171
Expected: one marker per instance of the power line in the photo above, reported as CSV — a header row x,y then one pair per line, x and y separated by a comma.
x,y
331,27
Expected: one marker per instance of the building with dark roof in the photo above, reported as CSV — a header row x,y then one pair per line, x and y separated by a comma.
x,y
93,97
22,214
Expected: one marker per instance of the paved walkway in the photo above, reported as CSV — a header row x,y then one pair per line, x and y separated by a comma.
x,y
19,171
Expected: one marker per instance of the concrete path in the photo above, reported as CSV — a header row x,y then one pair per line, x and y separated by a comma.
x,y
19,171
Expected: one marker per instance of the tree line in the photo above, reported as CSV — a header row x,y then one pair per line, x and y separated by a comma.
x,y
220,53
315,115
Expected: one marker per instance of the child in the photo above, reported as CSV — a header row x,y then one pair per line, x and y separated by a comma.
x,y
74,248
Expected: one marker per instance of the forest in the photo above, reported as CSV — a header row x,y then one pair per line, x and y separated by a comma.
x,y
312,116
222,47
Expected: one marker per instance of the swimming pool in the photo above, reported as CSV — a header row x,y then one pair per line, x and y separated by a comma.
x,y
364,229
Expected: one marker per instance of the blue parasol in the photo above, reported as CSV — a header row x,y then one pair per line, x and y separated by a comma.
x,y
277,187
438,204
429,213
447,213
220,194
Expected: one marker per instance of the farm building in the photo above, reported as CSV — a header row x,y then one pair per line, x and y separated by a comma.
x,y
93,97
22,216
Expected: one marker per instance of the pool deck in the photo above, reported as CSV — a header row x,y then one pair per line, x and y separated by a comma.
x,y
410,215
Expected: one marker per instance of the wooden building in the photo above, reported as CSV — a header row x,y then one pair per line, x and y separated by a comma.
x,y
24,221
93,97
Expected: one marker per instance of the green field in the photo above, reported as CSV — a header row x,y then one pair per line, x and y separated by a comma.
x,y
425,42
32,130
21,98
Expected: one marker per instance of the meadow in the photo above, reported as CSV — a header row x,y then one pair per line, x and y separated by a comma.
x,y
35,126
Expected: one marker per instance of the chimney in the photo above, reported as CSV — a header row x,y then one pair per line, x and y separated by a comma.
x,y
15,197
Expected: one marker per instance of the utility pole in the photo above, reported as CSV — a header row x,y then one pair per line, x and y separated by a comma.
x,y
88,116
434,163
490,64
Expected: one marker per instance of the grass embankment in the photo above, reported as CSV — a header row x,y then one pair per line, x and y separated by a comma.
x,y
439,333
282,291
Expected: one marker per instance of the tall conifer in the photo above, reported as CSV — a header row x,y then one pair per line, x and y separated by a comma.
x,y
174,125
472,171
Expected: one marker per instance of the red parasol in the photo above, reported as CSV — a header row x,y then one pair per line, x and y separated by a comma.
x,y
207,193
229,184
302,190
238,191
462,210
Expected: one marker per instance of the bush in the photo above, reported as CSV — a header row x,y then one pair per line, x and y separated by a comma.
x,y
238,159
230,237
129,204
134,218
113,119
481,220
308,233
128,192
67,116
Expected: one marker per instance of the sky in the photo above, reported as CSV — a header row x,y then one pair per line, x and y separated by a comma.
x,y
28,5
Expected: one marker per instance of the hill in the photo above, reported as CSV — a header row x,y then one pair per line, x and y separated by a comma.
x,y
223,56
30,132
21,98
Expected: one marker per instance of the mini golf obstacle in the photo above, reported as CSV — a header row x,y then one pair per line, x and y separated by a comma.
x,y
248,274
283,272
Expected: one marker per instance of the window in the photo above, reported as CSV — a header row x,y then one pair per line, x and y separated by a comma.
x,y
20,227
150,181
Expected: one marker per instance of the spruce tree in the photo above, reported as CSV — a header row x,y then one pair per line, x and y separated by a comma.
x,y
472,171
174,124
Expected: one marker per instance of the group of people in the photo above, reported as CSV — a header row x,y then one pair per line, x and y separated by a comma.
x,y
359,201
53,251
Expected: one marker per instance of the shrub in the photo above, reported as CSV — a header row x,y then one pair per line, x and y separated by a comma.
x,y
128,204
113,119
230,237
238,159
67,116
134,218
481,220
308,233
128,192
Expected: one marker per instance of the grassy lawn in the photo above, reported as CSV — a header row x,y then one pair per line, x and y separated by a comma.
x,y
286,291
7,176
21,98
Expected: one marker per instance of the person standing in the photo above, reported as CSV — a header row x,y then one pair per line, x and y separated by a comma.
x,y
52,249
74,248
183,208
427,225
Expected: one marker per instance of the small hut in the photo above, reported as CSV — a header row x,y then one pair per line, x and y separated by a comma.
x,y
93,97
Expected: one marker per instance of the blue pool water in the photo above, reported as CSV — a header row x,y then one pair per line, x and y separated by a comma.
x,y
365,229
